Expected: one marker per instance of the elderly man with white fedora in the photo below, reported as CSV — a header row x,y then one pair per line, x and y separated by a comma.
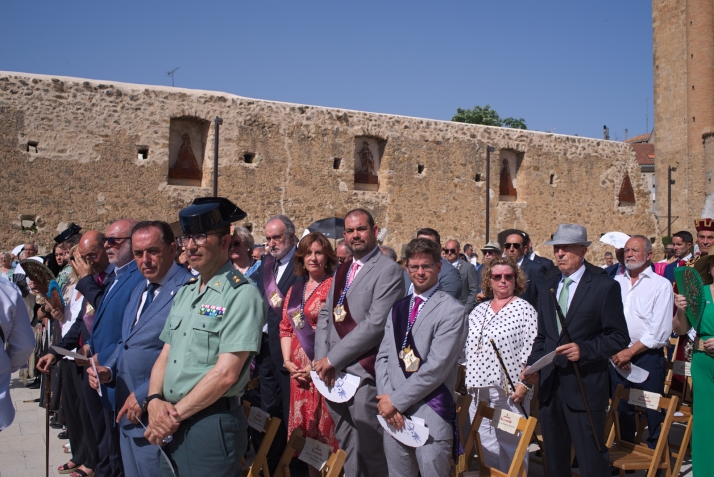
x,y
594,318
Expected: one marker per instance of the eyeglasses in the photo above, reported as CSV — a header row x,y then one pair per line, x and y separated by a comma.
x,y
198,239
114,240
490,252
415,268
235,243
508,276
449,251
517,246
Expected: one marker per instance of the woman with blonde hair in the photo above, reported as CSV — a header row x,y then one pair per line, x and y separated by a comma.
x,y
241,251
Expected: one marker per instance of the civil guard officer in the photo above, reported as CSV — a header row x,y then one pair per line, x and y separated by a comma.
x,y
212,330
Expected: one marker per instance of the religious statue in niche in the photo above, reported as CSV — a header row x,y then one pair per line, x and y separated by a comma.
x,y
506,188
365,168
186,166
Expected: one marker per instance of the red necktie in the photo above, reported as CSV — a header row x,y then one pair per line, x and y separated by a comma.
x,y
682,263
101,277
415,310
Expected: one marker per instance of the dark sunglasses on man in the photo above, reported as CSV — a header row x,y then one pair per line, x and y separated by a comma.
x,y
449,251
112,241
508,245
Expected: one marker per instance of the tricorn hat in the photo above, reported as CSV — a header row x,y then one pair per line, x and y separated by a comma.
x,y
492,246
67,233
209,213
570,234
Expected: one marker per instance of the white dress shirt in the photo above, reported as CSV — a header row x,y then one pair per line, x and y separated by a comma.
x,y
648,306
158,289
284,264
575,277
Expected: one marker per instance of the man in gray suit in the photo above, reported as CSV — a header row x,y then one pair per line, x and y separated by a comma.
x,y
469,279
417,363
349,330
449,278
128,369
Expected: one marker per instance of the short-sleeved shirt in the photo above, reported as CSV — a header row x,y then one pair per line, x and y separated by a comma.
x,y
226,317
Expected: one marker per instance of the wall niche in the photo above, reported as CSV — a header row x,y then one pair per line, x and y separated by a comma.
x,y
368,159
187,147
626,196
509,165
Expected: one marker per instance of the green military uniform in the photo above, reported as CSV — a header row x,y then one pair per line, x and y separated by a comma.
x,y
226,317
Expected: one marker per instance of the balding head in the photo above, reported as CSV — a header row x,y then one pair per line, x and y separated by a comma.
x,y
118,242
91,249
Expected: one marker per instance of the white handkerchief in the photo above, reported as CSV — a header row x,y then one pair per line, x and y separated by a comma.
x,y
634,375
345,387
413,434
541,363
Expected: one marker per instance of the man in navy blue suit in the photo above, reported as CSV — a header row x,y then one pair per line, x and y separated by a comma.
x,y
128,369
682,246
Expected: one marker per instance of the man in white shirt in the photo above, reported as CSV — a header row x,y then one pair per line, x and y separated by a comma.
x,y
647,300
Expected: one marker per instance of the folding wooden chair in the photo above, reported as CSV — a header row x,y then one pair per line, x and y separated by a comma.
x,y
461,380
538,433
684,415
332,468
463,401
260,463
524,426
630,456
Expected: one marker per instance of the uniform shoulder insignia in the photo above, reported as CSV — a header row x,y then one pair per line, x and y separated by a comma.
x,y
236,278
192,280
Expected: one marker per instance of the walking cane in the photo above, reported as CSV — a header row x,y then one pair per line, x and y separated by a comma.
x,y
508,377
566,335
47,423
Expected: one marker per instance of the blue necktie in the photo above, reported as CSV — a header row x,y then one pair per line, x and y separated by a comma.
x,y
149,297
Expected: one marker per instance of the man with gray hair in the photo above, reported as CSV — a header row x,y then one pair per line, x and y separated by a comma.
x,y
388,251
647,300
274,278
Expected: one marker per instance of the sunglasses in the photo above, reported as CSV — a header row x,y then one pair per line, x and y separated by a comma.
x,y
491,252
449,251
508,276
517,246
114,240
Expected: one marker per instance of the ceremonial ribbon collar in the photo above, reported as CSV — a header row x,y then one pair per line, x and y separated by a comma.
x,y
410,324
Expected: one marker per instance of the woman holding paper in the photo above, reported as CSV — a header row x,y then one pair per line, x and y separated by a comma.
x,y
315,262
702,369
512,324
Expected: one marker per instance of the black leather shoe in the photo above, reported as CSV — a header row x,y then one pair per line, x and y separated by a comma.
x,y
35,385
63,435
54,425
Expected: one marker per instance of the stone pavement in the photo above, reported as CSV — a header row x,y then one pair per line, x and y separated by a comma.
x,y
22,445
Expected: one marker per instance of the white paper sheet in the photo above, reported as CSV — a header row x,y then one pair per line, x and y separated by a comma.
x,y
644,399
94,367
634,375
506,420
257,418
413,434
69,354
541,363
345,387
681,368
315,453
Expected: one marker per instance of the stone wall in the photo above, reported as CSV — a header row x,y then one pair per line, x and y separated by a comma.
x,y
92,152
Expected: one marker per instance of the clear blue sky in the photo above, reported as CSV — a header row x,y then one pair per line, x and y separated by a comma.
x,y
566,66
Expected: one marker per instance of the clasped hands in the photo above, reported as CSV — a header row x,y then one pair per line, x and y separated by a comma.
x,y
163,421
302,376
325,370
390,413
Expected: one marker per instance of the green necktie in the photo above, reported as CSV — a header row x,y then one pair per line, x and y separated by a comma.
x,y
563,300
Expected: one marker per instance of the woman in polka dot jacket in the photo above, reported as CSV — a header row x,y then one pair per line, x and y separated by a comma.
x,y
512,323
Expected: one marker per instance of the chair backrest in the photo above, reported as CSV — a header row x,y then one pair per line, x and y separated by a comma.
x,y
260,463
296,443
463,401
524,426
661,452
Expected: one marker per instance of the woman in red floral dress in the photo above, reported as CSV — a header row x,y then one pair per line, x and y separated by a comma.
x,y
314,261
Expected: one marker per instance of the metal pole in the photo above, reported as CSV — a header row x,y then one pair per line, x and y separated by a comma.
x,y
217,122
670,182
489,150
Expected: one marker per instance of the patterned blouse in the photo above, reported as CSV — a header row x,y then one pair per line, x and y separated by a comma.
x,y
513,329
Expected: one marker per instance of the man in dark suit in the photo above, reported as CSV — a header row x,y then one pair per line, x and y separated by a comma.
x,y
469,279
592,305
449,277
529,253
682,246
128,369
618,268
274,278
514,248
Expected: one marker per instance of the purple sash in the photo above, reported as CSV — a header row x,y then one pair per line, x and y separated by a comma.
x,y
343,328
305,335
440,399
269,285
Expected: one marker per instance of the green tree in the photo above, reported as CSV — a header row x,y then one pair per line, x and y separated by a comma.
x,y
488,117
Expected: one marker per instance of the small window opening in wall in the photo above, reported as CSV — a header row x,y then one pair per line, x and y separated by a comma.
x,y
552,176
28,223
248,157
142,153
694,119
477,178
692,55
249,227
692,86
32,146
336,162
420,169
652,239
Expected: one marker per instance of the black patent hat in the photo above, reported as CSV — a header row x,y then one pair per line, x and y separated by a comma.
x,y
67,233
209,213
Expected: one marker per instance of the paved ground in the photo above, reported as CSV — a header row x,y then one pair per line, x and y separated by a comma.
x,y
22,445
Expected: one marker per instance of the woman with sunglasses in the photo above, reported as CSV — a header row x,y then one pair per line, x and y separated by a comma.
x,y
241,250
512,323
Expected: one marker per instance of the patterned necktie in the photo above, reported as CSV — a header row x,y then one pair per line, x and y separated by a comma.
x,y
415,310
150,290
563,299
276,266
353,272
101,277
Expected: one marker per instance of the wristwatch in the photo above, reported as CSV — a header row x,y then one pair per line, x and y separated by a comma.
x,y
148,399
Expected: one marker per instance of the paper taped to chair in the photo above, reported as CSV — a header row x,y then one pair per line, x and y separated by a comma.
x,y
507,421
315,453
681,368
644,399
634,375
541,363
257,418
413,434
345,387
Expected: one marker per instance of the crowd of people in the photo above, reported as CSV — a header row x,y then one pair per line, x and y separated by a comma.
x,y
169,334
